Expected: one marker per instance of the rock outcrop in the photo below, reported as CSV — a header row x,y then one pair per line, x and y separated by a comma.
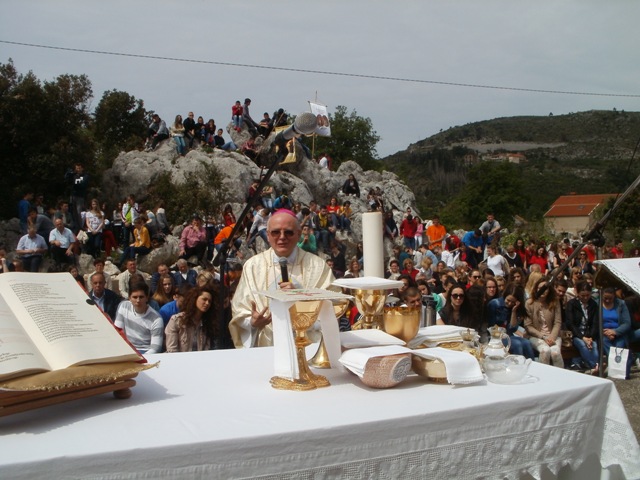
x,y
134,172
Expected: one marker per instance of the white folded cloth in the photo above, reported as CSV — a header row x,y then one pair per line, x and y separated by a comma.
x,y
462,368
436,334
367,338
356,359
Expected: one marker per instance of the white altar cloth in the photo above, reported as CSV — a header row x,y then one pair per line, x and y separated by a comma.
x,y
214,415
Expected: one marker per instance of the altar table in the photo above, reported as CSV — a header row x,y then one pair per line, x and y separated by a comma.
x,y
214,415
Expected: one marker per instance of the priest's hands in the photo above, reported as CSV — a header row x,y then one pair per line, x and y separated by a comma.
x,y
286,286
260,319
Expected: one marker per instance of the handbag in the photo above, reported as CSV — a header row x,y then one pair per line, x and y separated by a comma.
x,y
618,363
567,338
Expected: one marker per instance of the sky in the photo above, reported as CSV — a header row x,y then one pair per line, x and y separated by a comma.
x,y
569,46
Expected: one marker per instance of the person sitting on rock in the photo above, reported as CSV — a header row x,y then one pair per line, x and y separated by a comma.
x,y
62,242
157,132
189,130
247,120
193,240
350,186
249,149
263,126
219,142
142,243
177,133
210,132
236,116
325,231
283,201
30,247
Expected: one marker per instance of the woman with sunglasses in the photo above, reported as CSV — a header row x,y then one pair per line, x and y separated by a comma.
x,y
582,262
543,322
457,311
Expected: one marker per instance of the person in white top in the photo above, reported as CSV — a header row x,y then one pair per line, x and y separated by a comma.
x,y
141,324
496,262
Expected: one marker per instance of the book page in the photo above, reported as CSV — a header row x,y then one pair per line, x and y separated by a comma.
x,y
18,354
61,320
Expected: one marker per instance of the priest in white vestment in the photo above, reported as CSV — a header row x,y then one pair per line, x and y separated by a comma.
x,y
251,322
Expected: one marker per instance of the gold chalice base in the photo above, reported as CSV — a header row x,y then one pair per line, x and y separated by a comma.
x,y
299,385
321,358
303,315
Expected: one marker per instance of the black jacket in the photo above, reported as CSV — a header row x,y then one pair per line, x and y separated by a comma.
x,y
111,302
574,314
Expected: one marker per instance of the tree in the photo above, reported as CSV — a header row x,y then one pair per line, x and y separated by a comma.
x,y
44,133
491,187
119,124
352,138
202,192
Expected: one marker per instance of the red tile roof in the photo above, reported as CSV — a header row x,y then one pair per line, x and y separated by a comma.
x,y
577,205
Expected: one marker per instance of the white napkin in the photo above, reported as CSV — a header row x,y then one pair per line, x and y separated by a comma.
x,y
462,368
285,360
436,334
356,359
367,338
368,283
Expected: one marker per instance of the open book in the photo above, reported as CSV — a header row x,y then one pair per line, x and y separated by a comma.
x,y
47,322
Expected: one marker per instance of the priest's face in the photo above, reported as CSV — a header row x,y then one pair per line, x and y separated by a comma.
x,y
284,233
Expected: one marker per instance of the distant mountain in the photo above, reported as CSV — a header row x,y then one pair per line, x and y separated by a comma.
x,y
586,152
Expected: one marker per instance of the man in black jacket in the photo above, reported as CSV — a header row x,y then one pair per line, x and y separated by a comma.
x,y
106,299
189,129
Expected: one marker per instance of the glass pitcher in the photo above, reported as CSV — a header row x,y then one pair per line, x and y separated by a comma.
x,y
496,347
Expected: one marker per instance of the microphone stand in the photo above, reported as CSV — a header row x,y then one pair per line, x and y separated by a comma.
x,y
220,259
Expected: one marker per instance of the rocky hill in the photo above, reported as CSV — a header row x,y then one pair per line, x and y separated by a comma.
x,y
135,172
586,152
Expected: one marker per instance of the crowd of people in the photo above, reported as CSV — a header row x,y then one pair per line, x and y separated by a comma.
x,y
189,133
541,303
474,280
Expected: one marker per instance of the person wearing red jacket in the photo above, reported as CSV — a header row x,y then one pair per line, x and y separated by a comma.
x,y
408,229
236,115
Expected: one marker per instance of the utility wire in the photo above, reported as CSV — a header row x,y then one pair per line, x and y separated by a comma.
x,y
322,72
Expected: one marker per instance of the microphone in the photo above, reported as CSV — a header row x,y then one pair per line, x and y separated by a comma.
x,y
283,268
304,124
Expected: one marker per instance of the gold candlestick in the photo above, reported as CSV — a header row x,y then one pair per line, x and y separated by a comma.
x,y
303,316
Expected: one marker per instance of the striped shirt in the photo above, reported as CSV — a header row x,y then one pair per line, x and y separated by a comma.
x,y
144,331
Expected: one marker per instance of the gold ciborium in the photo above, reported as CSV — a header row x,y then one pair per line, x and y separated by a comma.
x,y
402,322
303,316
321,358
370,303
